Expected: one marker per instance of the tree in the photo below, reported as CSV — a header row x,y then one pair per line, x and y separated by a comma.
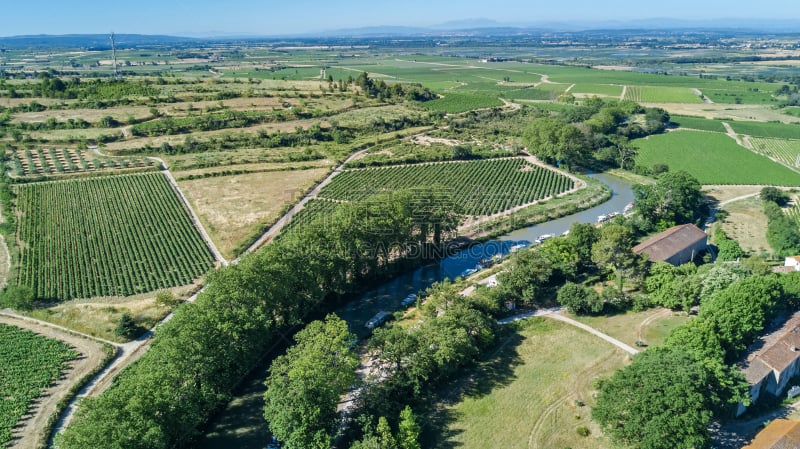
x,y
674,198
553,140
614,251
19,297
127,327
660,401
775,195
579,300
305,385
408,430
583,236
526,277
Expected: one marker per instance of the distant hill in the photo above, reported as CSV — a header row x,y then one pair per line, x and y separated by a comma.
x,y
92,41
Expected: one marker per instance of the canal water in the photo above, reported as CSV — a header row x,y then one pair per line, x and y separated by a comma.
x,y
242,424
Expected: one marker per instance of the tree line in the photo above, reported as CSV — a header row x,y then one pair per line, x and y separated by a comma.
x,y
197,358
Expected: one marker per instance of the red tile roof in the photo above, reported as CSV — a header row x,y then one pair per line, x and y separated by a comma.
x,y
670,242
779,434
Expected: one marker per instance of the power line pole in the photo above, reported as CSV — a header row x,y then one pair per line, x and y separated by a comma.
x,y
114,56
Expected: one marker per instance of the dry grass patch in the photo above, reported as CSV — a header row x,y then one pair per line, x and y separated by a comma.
x,y
723,193
100,316
633,326
535,392
747,224
90,115
232,208
729,111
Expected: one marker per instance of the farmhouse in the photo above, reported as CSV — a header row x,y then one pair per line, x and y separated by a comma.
x,y
776,359
779,434
792,262
676,245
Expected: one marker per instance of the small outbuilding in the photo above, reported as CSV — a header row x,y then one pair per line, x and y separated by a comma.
x,y
779,434
676,245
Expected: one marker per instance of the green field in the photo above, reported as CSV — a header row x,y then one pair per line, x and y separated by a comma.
x,y
782,150
713,159
106,236
456,102
526,396
651,94
481,187
698,123
29,364
599,89
766,129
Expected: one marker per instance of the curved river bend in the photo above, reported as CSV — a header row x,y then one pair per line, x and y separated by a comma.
x,y
242,424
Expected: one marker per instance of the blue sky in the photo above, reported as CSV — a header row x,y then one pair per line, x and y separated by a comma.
x,y
269,17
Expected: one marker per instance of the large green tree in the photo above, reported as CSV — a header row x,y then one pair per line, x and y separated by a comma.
x,y
675,198
613,251
660,401
526,276
305,385
553,140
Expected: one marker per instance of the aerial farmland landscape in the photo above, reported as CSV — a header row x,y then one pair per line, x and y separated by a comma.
x,y
456,225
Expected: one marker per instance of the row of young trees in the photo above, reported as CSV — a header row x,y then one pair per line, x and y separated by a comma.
x,y
197,358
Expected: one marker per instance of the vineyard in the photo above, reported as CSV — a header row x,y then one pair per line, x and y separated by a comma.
x,y
483,187
781,150
41,162
117,235
29,363
650,94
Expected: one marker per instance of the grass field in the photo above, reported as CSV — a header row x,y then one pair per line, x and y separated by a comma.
x,y
29,364
713,159
456,102
698,123
761,129
598,89
651,326
525,395
106,236
482,187
747,224
651,94
235,208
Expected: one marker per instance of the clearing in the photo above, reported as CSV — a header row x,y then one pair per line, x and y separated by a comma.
x,y
531,393
236,208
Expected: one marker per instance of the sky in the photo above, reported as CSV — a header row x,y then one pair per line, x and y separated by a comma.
x,y
269,17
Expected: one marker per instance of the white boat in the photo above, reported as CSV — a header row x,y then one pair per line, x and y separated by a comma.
x,y
544,237
377,320
602,218
518,247
468,271
565,233
410,299
628,208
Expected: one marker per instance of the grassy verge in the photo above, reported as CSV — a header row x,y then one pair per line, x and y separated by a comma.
x,y
532,392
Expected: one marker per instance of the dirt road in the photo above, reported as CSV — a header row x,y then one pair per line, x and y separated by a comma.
x,y
28,434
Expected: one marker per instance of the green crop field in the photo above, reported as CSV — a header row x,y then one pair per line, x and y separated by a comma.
x,y
29,364
782,150
699,123
481,187
713,159
651,94
455,102
762,129
117,235
599,89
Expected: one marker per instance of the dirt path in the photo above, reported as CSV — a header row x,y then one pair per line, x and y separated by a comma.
x,y
276,228
27,435
624,92
705,99
732,134
569,88
738,198
556,314
647,321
